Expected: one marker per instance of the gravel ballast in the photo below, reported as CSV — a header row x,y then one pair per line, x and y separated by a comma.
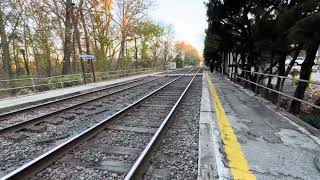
x,y
97,155
29,145
177,155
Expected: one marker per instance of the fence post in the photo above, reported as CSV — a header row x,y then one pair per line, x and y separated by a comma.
x,y
81,81
62,86
33,85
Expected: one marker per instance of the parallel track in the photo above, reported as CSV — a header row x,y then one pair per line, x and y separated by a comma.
x,y
76,103
163,101
50,103
11,121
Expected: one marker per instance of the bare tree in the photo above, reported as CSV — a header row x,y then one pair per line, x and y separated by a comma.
x,y
5,45
129,12
67,39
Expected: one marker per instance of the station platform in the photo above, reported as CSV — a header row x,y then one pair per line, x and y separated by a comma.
x,y
22,101
245,137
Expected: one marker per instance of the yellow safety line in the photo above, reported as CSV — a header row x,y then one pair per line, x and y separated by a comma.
x,y
237,162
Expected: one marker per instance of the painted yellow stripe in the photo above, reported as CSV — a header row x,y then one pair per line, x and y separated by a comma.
x,y
238,164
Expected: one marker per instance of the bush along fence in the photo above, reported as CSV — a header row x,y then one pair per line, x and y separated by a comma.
x,y
27,86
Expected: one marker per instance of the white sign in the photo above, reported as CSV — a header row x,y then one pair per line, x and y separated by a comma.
x,y
87,56
173,65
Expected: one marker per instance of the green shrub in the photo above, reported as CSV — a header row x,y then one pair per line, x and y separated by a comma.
x,y
312,119
23,92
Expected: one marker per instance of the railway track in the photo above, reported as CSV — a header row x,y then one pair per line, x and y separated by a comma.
x,y
20,119
60,103
17,120
19,147
56,105
121,141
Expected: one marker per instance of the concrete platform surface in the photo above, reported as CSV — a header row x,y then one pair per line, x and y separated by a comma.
x,y
271,146
18,102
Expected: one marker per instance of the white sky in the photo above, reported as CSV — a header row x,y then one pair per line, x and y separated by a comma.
x,y
188,18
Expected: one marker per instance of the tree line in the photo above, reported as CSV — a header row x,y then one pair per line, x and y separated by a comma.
x,y
43,38
260,35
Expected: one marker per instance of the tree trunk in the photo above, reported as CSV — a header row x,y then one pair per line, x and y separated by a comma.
x,y
84,25
270,71
25,51
318,104
26,63
123,36
74,58
295,56
282,68
48,58
67,39
5,47
35,53
306,70
122,49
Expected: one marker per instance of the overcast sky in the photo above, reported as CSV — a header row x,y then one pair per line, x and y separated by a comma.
x,y
188,18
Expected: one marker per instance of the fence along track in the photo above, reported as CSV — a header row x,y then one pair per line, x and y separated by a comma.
x,y
279,92
51,156
78,78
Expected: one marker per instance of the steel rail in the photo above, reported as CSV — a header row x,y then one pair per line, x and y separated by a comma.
x,y
137,170
41,118
68,98
44,160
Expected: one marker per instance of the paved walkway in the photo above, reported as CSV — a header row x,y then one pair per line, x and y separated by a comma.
x,y
254,141
13,102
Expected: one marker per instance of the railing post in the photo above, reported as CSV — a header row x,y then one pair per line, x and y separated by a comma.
x,y
33,85
62,86
81,81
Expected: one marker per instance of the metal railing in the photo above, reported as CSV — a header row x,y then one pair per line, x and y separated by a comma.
x,y
244,75
12,87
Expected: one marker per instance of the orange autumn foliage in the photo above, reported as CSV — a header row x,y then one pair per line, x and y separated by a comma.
x,y
184,48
